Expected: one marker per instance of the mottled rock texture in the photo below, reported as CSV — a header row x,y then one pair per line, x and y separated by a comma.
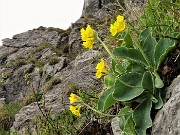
x,y
167,120
79,72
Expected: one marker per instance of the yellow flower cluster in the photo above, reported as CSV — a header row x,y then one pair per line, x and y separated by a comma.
x,y
74,109
73,98
100,69
88,37
118,26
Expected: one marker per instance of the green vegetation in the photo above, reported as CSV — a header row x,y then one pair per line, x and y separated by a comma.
x,y
4,76
51,83
7,113
71,88
43,46
63,124
133,77
53,60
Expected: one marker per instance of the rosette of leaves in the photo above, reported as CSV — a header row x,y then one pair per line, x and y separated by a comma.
x,y
135,80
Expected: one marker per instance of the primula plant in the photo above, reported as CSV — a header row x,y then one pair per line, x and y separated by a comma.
x,y
132,78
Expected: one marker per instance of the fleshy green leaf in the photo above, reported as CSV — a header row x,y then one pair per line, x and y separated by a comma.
x,y
135,67
159,104
122,121
106,100
147,82
148,43
129,127
132,79
109,80
175,35
164,46
119,68
133,55
142,117
127,40
124,114
128,87
158,82
125,111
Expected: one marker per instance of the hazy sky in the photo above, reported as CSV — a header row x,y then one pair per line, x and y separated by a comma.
x,y
17,16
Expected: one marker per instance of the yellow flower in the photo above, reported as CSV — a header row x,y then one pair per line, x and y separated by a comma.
x,y
88,37
75,110
100,69
101,66
99,74
120,19
118,26
89,43
121,26
113,30
73,98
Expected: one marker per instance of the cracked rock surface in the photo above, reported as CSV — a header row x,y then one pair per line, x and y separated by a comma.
x,y
167,120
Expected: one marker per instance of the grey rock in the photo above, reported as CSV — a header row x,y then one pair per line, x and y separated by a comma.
x,y
115,126
33,38
84,77
44,54
81,71
50,70
19,53
16,87
167,120
4,53
2,102
81,60
75,43
92,6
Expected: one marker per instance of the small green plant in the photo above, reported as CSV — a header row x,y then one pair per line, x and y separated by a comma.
x,y
56,125
4,76
71,87
8,53
135,80
45,45
40,69
51,82
132,78
54,60
7,113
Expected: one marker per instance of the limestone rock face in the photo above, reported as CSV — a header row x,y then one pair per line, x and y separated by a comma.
x,y
167,120
79,72
24,54
16,86
33,37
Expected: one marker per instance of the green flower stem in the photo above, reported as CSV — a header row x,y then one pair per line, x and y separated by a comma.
x,y
103,114
106,48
